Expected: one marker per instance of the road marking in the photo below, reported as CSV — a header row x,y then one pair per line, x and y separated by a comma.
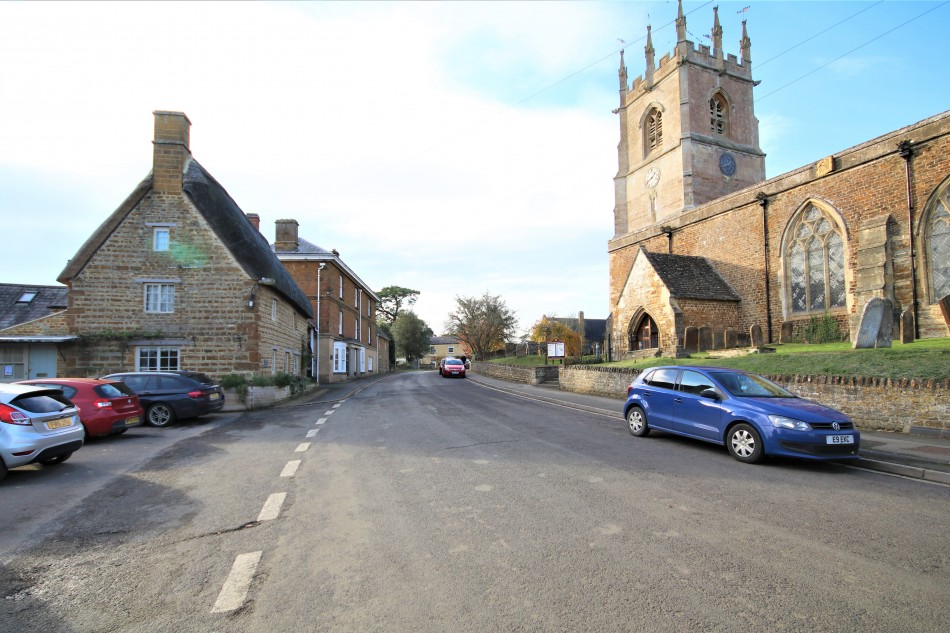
x,y
337,405
290,468
235,587
272,506
330,412
302,447
322,421
312,432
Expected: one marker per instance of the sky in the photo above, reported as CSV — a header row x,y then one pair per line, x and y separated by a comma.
x,y
455,148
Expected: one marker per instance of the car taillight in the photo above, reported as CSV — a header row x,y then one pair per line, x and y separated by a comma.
x,y
103,404
629,390
195,394
11,416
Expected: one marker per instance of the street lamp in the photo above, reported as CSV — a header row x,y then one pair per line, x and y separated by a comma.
x,y
316,373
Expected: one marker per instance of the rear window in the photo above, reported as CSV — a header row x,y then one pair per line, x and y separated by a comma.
x,y
114,390
202,378
69,392
42,402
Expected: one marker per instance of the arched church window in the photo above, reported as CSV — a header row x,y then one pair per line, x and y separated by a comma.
x,y
654,130
815,256
938,247
644,335
719,115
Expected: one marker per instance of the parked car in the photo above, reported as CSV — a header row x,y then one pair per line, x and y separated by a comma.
x,y
752,416
170,395
451,367
106,407
36,425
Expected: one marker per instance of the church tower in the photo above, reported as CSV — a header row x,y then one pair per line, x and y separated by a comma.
x,y
688,133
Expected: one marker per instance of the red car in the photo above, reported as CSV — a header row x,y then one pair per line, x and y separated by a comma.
x,y
106,407
452,367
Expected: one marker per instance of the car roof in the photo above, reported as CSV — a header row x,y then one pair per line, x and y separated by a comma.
x,y
64,381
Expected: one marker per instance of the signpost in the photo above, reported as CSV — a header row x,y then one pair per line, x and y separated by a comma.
x,y
555,350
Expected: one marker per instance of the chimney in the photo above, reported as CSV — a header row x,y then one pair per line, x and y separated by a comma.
x,y
286,237
255,221
170,152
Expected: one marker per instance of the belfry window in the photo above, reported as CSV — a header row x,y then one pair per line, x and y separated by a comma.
x,y
718,115
815,263
654,130
938,247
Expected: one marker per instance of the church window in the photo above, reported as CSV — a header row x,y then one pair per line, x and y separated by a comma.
x,y
645,335
654,130
938,247
815,256
719,115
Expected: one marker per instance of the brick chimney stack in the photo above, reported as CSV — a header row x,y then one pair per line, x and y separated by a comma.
x,y
171,150
286,237
255,221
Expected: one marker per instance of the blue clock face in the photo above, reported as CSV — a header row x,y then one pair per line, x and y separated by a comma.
x,y
727,164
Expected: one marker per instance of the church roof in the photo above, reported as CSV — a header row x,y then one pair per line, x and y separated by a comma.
x,y
691,277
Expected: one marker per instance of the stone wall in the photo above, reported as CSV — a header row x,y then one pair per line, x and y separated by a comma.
x,y
873,403
514,373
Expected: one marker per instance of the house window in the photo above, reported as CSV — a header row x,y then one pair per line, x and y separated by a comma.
x,y
370,361
431,349
718,115
296,371
356,330
654,137
341,286
362,360
287,362
159,297
451,350
13,362
27,296
156,359
815,255
938,247
160,238
339,358
341,323
273,361
273,310
356,298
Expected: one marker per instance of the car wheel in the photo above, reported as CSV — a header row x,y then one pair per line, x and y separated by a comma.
x,y
59,459
637,422
745,444
159,414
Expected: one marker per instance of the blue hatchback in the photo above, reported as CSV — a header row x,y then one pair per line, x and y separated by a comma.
x,y
752,416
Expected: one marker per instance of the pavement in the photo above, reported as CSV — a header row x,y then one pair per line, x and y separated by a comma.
x,y
923,454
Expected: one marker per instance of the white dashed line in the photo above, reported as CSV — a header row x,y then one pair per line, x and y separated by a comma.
x,y
235,587
290,468
271,508
312,432
330,412
302,447
322,421
337,405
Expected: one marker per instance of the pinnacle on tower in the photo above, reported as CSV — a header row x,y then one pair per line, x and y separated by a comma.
x,y
680,23
717,35
624,87
650,57
745,46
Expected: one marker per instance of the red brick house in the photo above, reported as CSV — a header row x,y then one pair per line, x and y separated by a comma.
x,y
178,278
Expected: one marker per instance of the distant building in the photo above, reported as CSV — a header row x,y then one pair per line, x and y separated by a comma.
x,y
445,347
32,326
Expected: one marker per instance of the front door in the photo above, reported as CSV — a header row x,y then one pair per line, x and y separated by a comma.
x,y
42,361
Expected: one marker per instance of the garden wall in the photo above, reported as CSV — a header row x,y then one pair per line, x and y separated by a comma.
x,y
517,373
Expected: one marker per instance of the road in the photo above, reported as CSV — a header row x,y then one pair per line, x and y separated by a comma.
x,y
428,504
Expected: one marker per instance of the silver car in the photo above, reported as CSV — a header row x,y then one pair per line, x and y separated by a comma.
x,y
37,425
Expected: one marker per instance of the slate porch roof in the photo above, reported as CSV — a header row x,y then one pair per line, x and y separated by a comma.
x,y
48,299
691,277
249,248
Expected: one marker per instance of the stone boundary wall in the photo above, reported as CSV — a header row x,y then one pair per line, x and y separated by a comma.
x,y
258,397
516,373
873,403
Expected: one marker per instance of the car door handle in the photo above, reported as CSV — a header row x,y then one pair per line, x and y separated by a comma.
x,y
677,399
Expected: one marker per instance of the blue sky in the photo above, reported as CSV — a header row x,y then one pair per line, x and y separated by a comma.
x,y
455,148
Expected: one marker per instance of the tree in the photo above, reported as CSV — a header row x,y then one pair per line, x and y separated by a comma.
x,y
549,329
391,302
484,323
412,336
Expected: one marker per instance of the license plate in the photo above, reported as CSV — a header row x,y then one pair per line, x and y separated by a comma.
x,y
133,421
59,424
839,439
214,396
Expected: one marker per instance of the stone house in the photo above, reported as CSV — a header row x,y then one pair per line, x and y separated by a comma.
x,y
32,326
178,278
693,209
444,347
347,339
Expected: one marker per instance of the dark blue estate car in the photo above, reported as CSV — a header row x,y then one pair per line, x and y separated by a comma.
x,y
752,416
170,395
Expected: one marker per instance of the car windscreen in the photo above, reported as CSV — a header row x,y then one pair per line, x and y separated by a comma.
x,y
453,362
42,402
750,385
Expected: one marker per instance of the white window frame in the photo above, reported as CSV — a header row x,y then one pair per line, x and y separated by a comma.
x,y
161,238
273,361
339,357
370,360
451,350
166,358
162,298
341,322
341,285
362,360
273,309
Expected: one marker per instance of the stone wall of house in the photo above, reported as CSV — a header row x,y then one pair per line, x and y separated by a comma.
x,y
49,325
873,403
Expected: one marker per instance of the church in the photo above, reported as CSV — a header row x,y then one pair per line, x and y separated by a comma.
x,y
708,254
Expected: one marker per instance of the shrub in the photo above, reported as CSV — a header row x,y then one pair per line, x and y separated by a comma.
x,y
821,330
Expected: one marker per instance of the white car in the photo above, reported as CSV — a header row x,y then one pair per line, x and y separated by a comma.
x,y
37,425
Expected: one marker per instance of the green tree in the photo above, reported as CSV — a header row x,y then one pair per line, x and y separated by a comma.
x,y
392,299
485,323
412,336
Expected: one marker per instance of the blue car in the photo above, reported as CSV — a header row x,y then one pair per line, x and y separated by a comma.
x,y
750,415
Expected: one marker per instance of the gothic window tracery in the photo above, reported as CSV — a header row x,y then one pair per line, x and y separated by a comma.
x,y
815,274
719,115
654,138
938,247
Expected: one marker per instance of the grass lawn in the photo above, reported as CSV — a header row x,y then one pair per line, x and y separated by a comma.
x,y
925,359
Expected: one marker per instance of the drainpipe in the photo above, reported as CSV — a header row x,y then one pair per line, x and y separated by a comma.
x,y
906,151
763,200
668,230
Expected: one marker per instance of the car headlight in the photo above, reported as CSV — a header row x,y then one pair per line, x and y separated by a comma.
x,y
781,422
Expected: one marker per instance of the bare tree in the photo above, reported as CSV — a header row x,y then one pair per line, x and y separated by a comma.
x,y
484,323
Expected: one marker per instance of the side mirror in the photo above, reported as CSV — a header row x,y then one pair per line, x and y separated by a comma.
x,y
712,394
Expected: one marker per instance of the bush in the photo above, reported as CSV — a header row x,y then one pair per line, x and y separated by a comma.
x,y
821,330
232,381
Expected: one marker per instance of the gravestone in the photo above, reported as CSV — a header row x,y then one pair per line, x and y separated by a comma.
x,y
787,331
743,339
945,309
875,317
705,338
691,340
731,339
719,340
907,327
755,335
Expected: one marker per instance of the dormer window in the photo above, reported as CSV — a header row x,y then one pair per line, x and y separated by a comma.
x,y
654,130
27,296
719,115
